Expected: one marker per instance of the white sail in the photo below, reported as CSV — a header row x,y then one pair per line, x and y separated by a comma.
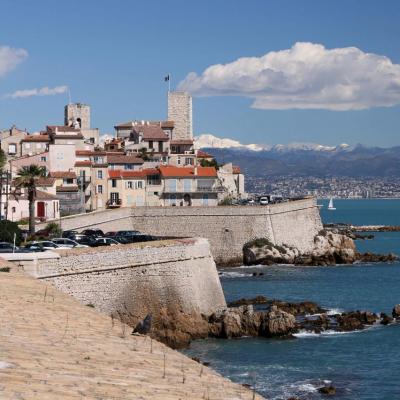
x,y
330,206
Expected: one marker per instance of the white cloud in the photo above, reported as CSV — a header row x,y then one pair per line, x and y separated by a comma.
x,y
44,91
306,76
10,58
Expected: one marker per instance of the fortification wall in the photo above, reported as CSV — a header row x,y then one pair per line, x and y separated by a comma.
x,y
227,228
133,280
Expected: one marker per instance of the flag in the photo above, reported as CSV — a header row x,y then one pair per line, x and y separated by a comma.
x,y
166,78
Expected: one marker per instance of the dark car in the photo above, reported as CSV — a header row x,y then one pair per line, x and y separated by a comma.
x,y
134,236
105,241
93,232
111,234
83,239
69,234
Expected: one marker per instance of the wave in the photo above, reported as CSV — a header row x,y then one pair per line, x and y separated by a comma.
x,y
234,274
310,334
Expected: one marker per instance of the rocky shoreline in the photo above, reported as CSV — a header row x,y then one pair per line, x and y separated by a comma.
x,y
331,247
257,317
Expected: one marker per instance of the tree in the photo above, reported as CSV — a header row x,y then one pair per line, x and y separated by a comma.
x,y
3,160
7,231
27,178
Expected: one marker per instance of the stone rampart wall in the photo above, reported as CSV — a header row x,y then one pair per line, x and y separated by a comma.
x,y
293,223
130,281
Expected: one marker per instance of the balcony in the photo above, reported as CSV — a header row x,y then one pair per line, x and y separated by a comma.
x,y
114,203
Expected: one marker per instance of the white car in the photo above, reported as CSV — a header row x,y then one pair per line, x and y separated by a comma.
x,y
263,201
45,245
65,242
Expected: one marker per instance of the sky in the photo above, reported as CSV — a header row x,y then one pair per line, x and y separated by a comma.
x,y
260,71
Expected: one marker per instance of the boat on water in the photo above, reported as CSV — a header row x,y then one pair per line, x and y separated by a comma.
x,y
330,205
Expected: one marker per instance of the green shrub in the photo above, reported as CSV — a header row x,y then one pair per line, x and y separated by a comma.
x,y
227,201
7,230
259,242
54,229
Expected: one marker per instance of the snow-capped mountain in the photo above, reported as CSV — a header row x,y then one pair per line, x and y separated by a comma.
x,y
212,142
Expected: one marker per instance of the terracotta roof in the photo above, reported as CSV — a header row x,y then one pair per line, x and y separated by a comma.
x,y
123,159
203,154
77,136
90,153
151,171
170,171
36,138
85,163
67,188
63,174
60,128
121,174
40,195
151,132
183,142
45,181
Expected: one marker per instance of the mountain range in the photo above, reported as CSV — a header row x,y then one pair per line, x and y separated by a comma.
x,y
301,159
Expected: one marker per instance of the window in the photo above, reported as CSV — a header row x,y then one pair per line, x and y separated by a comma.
x,y
100,189
43,158
187,185
188,161
128,166
99,174
140,184
129,185
12,148
68,181
150,144
114,183
153,179
179,161
172,185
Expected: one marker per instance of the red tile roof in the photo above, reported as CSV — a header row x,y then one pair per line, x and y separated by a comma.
x,y
122,174
90,153
203,154
182,142
151,132
63,174
36,138
85,163
123,159
45,181
130,124
170,171
67,188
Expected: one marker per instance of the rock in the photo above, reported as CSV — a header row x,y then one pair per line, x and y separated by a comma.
x,y
144,326
302,308
328,390
386,319
396,311
356,320
277,323
374,258
244,301
231,324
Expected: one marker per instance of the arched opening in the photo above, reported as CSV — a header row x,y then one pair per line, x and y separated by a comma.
x,y
187,200
79,122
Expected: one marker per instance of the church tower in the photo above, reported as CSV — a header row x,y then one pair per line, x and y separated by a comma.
x,y
77,115
180,111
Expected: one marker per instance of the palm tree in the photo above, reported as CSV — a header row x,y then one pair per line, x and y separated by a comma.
x,y
27,178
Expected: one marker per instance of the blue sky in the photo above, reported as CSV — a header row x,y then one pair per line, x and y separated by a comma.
x,y
114,54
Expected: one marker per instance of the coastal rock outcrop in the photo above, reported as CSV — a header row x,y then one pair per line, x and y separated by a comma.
x,y
330,248
396,311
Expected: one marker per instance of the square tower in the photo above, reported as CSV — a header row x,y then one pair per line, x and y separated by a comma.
x,y
180,111
77,115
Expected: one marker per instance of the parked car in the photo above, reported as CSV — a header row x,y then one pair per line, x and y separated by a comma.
x,y
67,242
111,234
83,239
42,245
6,247
69,234
43,233
93,232
105,241
264,201
133,236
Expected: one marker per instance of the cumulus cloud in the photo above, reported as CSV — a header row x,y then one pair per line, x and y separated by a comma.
x,y
44,91
10,58
306,76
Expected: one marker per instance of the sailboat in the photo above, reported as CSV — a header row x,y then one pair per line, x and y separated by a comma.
x,y
330,205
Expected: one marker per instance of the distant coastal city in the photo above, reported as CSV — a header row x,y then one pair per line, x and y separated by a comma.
x,y
338,187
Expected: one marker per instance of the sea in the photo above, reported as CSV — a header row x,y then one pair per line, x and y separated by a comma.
x,y
362,365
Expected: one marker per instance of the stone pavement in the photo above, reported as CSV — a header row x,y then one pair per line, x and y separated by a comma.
x,y
53,347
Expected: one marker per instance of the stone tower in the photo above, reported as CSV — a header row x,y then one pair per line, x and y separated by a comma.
x,y
180,111
78,115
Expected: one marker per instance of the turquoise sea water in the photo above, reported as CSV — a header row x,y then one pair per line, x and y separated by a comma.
x,y
361,365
